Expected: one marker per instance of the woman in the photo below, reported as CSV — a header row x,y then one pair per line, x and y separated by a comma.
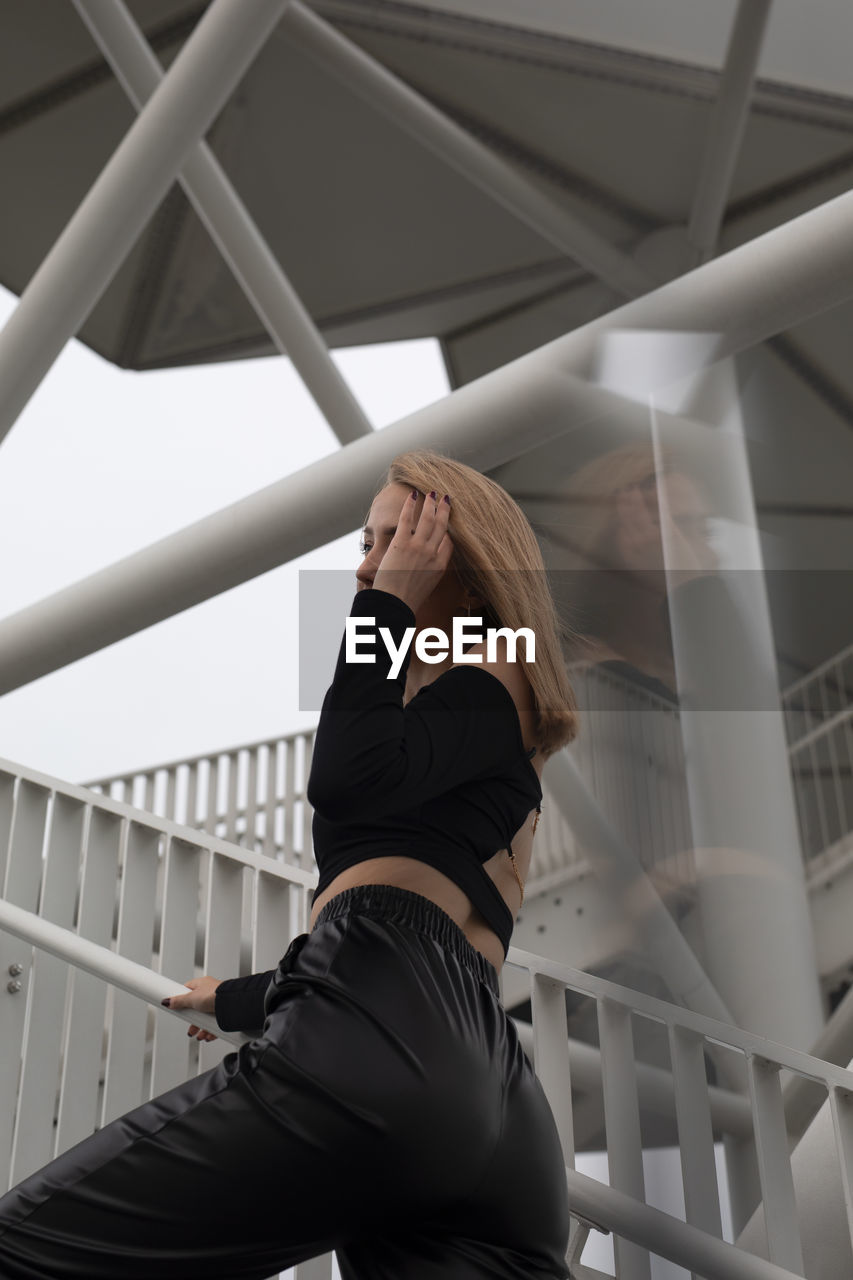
x,y
386,1110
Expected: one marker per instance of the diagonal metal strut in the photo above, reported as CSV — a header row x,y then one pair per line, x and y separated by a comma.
x,y
100,234
232,228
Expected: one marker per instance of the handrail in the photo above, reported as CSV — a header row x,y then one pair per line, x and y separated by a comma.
x,y
101,962
668,1237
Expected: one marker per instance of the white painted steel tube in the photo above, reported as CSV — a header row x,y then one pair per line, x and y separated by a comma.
x,y
727,124
662,1234
745,296
232,228
100,234
409,110
125,974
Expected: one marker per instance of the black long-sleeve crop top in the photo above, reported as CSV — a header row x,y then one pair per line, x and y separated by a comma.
x,y
444,779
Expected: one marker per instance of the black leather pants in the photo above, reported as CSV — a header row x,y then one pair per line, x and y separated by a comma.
x,y
387,1112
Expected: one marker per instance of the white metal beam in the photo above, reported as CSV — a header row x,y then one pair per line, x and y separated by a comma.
x,y
775,281
100,234
727,124
665,1235
409,110
232,228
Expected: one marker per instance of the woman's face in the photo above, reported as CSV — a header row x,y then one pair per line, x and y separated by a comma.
x,y
447,600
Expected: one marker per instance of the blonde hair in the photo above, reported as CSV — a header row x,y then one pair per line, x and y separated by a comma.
x,y
492,541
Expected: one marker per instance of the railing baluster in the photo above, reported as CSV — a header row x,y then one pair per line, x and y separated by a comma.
x,y
307,811
223,921
269,808
170,1061
233,766
171,779
695,1132
774,1165
252,800
551,1056
622,1121
7,810
125,1067
212,795
841,1110
35,1134
289,800
192,794
78,1099
272,930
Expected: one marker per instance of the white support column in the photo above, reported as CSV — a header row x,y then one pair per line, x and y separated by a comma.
x,y
727,124
743,297
99,236
232,229
409,110
758,944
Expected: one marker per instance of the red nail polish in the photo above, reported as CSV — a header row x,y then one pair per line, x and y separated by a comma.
x,y
414,494
447,498
432,495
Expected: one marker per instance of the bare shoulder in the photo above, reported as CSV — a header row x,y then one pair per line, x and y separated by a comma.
x,y
514,679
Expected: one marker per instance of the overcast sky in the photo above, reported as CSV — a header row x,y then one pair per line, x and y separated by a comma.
x,y
103,462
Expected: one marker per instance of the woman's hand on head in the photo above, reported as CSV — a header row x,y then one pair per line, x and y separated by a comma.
x,y
201,996
419,553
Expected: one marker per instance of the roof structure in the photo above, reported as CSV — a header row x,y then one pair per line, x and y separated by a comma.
x,y
608,121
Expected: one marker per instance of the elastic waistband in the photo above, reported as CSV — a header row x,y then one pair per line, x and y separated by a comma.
x,y
413,911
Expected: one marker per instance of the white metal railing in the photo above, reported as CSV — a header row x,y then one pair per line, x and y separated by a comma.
x,y
630,753
252,795
689,1037
110,873
140,889
620,1208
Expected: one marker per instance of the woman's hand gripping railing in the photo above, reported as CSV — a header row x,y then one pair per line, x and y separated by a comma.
x,y
102,963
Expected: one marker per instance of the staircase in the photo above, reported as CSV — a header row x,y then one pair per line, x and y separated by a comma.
x,y
97,898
